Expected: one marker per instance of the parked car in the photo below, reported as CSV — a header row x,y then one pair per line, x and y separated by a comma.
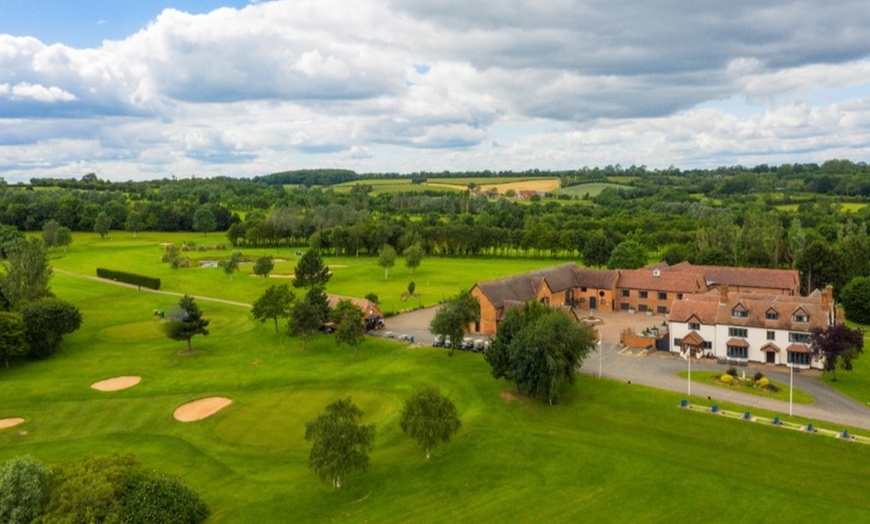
x,y
467,344
438,341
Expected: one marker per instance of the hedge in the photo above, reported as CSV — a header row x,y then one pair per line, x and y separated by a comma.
x,y
129,278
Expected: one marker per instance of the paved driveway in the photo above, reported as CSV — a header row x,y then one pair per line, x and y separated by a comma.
x,y
659,369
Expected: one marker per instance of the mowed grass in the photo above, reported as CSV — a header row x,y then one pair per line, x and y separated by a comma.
x,y
610,451
593,189
435,279
855,383
395,185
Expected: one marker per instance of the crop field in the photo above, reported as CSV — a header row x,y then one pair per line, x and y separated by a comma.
x,y
615,451
395,185
592,189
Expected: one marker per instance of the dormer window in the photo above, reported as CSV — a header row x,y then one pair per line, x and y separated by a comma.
x,y
800,316
739,311
771,315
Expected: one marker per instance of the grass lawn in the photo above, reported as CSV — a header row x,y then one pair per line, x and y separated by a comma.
x,y
855,383
710,377
609,450
435,279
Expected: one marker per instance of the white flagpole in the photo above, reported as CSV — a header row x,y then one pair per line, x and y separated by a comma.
x,y
790,387
689,358
600,358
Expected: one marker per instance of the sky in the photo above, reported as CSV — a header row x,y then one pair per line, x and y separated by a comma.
x,y
153,89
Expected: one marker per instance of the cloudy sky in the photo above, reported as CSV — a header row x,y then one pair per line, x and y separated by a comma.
x,y
147,89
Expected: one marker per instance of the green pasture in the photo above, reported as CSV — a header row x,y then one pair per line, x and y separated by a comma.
x,y
463,182
609,451
393,185
855,383
707,377
435,279
593,189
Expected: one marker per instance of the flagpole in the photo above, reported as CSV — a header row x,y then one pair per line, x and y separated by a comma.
x,y
790,387
689,358
600,358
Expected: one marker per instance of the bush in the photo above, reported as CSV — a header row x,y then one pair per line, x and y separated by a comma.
x,y
762,382
727,378
24,485
732,371
772,388
129,278
758,376
371,297
154,497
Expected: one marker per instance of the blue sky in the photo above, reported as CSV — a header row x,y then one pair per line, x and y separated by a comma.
x,y
138,90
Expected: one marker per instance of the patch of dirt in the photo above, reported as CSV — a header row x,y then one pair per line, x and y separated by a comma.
x,y
116,383
330,266
546,184
10,422
164,244
510,396
200,409
278,275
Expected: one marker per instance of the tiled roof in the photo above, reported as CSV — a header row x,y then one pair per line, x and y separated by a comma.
x,y
709,308
742,276
524,287
798,348
657,280
770,347
738,342
370,309
693,339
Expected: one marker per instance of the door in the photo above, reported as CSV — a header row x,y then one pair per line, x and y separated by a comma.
x,y
593,302
771,357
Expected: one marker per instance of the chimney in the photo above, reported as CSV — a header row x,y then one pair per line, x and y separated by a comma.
x,y
827,297
723,293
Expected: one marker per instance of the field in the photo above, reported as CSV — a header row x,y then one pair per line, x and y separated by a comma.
x,y
396,185
592,189
614,451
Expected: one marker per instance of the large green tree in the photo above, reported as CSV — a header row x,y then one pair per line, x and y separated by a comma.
x,y
596,250
629,254
49,233
231,264
46,321
310,270
9,236
102,224
186,322
387,259
350,327
91,489
306,318
134,222
24,490
414,256
275,302
13,340
27,273
429,418
454,316
837,345
204,220
539,348
263,266
340,443
856,300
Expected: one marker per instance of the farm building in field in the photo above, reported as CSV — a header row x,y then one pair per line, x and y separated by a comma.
x,y
741,327
651,290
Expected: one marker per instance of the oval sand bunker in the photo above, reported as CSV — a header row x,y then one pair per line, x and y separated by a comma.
x,y
200,409
116,384
10,422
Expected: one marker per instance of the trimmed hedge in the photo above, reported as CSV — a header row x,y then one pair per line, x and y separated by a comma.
x,y
129,278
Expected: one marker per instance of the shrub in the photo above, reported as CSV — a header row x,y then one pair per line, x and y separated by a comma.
x,y
758,376
129,278
772,388
749,382
154,497
371,297
732,371
726,378
762,382
24,484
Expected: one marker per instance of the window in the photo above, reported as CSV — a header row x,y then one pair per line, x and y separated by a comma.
x,y
737,352
738,332
739,313
799,337
708,345
643,307
545,300
771,315
799,359
642,294
800,316
624,293
679,296
771,335
677,342
663,296
477,327
624,306
583,289
694,325
662,310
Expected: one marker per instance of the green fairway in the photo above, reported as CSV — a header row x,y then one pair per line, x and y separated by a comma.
x,y
610,450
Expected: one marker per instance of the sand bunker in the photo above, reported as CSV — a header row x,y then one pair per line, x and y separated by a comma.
x,y
10,422
116,384
200,409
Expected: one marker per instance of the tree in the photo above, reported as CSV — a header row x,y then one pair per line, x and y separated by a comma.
x,y
63,237
46,321
91,489
187,322
837,344
305,319
310,270
13,340
411,288
387,259
596,251
429,418
414,256
627,255
156,497
539,348
24,490
454,316
231,264
204,220
855,297
340,443
102,224
134,222
27,273
49,233
275,302
350,327
263,266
